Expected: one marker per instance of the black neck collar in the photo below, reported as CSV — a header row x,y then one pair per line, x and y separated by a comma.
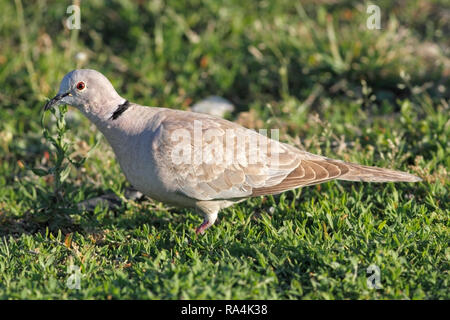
x,y
121,108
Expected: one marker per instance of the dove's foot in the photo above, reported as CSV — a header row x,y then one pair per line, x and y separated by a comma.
x,y
205,225
209,210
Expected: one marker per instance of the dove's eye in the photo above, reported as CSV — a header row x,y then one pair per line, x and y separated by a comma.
x,y
81,85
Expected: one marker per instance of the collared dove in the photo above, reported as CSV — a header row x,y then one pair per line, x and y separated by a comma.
x,y
197,160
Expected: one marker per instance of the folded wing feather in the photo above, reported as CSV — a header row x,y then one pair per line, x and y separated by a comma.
x,y
248,171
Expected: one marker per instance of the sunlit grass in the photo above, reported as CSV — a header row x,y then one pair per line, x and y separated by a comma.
x,y
377,97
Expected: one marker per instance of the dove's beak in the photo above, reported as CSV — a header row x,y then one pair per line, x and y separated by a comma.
x,y
55,101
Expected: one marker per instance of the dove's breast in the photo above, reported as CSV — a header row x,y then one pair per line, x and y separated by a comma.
x,y
136,159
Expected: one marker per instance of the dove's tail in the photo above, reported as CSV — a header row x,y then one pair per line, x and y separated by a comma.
x,y
315,171
357,172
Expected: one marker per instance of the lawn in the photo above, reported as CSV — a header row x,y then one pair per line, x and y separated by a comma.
x,y
315,71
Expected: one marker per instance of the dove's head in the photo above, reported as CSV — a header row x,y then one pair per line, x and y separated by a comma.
x,y
89,91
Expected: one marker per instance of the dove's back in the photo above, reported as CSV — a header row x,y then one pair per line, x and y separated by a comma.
x,y
153,136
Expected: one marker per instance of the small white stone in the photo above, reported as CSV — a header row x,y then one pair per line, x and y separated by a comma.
x,y
81,56
213,105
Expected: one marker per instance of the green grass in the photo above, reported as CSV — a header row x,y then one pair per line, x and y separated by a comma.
x,y
377,97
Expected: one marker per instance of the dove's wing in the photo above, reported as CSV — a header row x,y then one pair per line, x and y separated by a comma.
x,y
212,158
206,156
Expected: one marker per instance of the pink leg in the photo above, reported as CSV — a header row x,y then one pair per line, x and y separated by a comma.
x,y
205,225
209,210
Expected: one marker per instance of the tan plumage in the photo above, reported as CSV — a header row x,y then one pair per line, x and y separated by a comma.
x,y
218,180
148,140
